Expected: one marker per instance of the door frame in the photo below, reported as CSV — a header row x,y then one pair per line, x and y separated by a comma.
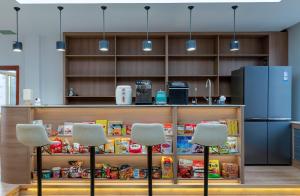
x,y
17,69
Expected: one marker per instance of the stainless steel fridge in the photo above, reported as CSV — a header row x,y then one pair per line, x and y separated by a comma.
x,y
266,93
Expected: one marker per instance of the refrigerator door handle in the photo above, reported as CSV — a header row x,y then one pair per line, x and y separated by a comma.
x,y
256,119
280,119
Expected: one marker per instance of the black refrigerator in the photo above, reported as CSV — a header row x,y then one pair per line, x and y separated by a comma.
x,y
266,93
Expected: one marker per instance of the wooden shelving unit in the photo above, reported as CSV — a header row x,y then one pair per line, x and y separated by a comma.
x,y
94,74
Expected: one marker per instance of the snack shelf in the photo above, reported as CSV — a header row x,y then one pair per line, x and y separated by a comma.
x,y
87,180
211,155
101,155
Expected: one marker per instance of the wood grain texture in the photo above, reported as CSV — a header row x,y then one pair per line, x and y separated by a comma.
x,y
278,46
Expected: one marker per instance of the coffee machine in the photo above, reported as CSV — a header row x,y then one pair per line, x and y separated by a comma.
x,y
143,92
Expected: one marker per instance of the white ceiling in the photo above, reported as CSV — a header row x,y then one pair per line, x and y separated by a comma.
x,y
43,19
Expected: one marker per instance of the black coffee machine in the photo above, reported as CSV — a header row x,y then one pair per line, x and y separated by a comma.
x,y
178,93
143,92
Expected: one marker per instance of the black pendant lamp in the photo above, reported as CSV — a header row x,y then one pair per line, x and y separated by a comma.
x,y
234,44
60,45
103,44
147,44
191,44
17,46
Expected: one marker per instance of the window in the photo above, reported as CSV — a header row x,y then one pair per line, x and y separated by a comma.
x,y
9,85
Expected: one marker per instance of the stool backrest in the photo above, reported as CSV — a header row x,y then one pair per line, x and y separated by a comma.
x,y
210,134
32,135
89,134
148,134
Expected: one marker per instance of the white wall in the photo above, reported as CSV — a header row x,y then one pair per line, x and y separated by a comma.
x,y
294,61
41,66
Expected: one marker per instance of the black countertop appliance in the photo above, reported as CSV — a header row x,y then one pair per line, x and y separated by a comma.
x,y
143,92
178,93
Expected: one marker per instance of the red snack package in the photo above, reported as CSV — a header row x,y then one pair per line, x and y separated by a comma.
x,y
134,147
56,148
156,148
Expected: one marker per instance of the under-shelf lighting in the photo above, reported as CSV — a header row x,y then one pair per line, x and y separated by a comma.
x,y
191,44
147,44
140,1
234,44
17,46
103,44
60,45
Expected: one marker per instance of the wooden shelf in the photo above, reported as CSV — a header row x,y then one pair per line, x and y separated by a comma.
x,y
139,56
89,97
192,76
193,55
140,76
211,155
101,155
89,76
244,55
88,56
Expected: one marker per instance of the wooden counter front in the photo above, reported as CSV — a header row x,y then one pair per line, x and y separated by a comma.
x,y
17,160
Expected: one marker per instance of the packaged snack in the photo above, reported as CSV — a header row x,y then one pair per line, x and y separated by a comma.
x,y
156,172
185,168
214,149
143,173
68,128
184,146
110,146
166,148
86,173
144,149
232,143
136,173
103,123
114,173
65,172
230,170
34,175
197,148
66,146
99,149
76,147
127,130
125,172
224,149
103,170
180,129
167,167
37,122
156,148
60,130
46,174
122,145
214,169
56,172
189,129
75,169
232,127
83,149
56,148
198,168
115,128
49,131
134,147
168,129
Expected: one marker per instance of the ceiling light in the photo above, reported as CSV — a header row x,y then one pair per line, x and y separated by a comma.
x,y
234,44
140,1
103,44
60,45
17,46
147,44
191,44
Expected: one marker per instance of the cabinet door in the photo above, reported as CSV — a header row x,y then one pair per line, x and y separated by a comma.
x,y
279,143
256,147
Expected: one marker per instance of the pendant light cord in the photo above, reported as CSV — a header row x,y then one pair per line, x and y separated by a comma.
x,y
190,8
147,10
17,20
234,10
60,25
103,20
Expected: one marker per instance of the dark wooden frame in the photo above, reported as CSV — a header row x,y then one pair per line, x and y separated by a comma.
x,y
17,69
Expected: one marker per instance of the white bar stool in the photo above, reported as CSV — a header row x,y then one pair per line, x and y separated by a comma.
x,y
148,135
33,135
209,135
90,135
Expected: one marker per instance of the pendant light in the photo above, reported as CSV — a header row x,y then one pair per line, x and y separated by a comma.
x,y
147,44
234,44
103,44
191,44
60,45
17,46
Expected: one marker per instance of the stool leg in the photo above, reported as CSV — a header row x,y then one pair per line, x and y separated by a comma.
x,y
149,160
206,160
92,167
39,170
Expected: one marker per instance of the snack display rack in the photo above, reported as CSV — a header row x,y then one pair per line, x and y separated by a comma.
x,y
57,115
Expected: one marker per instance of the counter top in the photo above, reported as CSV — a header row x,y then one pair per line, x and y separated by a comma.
x,y
101,106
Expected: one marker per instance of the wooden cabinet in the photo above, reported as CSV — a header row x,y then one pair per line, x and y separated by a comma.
x,y
94,75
